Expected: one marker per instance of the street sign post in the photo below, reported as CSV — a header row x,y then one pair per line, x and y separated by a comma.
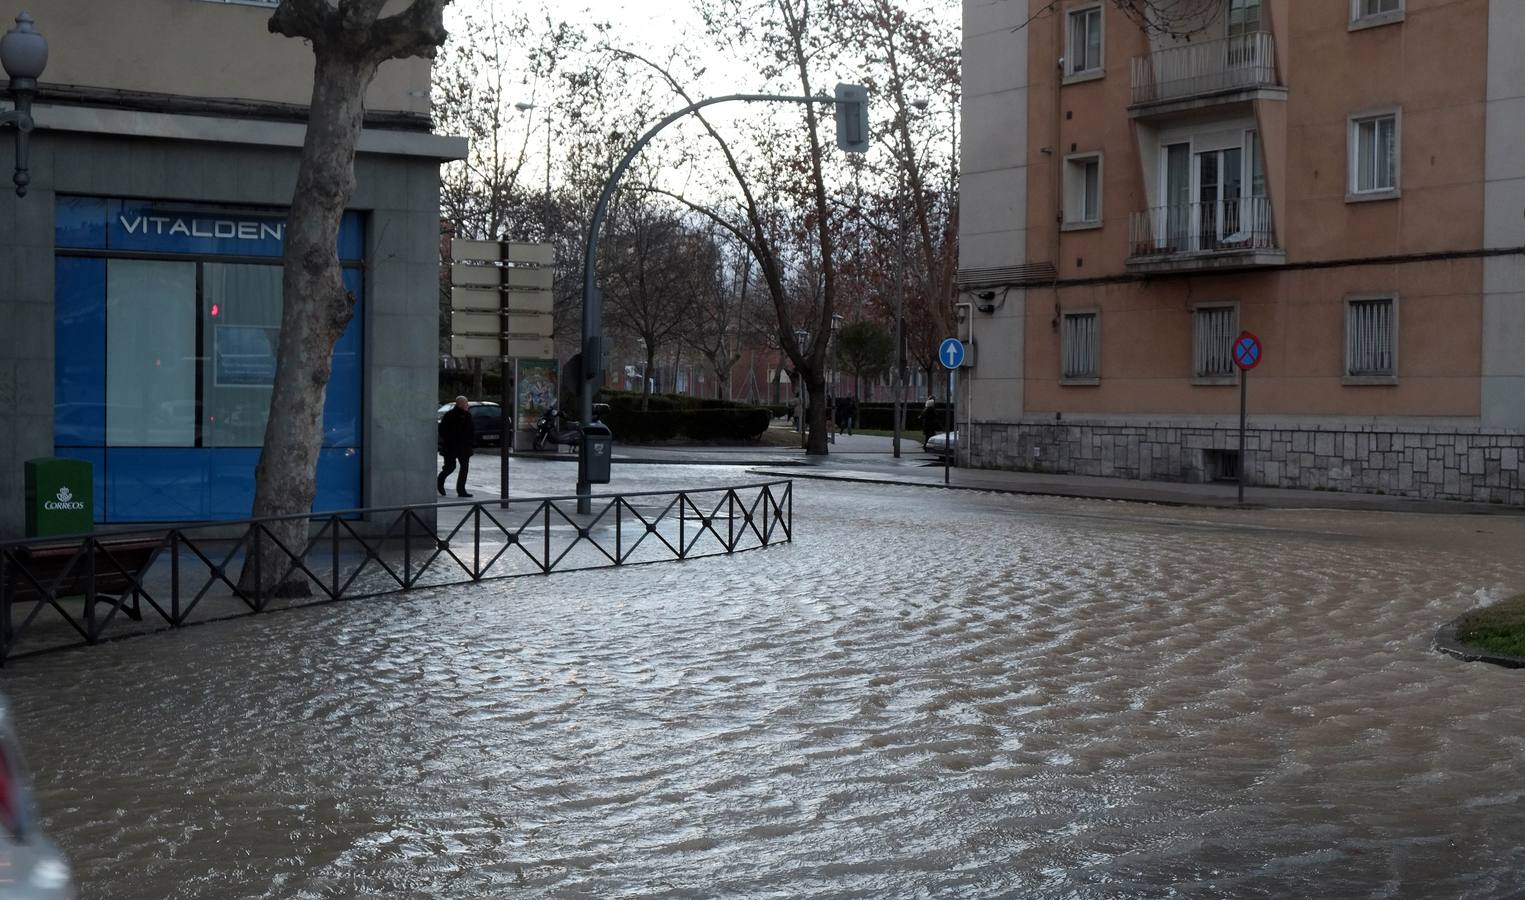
x,y
951,354
500,301
1247,354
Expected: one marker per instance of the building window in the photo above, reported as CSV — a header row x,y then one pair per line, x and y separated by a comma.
x,y
165,324
1374,155
1386,10
1371,338
1082,191
1083,52
1081,356
1213,335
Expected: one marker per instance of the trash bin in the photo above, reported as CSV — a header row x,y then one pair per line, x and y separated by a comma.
x,y
59,496
597,450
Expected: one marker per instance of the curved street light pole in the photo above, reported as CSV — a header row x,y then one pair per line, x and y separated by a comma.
x,y
592,299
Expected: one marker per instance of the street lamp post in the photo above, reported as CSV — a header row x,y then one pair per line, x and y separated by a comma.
x,y
801,337
24,54
900,226
834,392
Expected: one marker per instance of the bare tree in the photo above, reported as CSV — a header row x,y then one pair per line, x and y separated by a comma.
x,y
655,268
719,322
350,39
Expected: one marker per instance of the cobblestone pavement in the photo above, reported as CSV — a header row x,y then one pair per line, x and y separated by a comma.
x,y
928,694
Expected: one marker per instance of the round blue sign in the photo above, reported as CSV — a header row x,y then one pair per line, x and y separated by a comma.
x,y
951,353
1246,351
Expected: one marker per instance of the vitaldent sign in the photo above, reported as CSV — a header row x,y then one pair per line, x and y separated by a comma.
x,y
179,228
214,229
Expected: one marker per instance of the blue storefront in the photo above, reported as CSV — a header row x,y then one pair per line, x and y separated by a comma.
x,y
165,323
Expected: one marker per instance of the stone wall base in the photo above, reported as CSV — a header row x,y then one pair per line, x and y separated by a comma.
x,y
1441,465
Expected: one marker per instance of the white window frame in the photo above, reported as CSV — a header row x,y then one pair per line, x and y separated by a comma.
x,y
1065,315
1072,74
1075,191
1360,20
1197,375
1353,193
1389,378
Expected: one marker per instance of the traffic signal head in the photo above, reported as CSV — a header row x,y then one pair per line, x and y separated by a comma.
x,y
852,118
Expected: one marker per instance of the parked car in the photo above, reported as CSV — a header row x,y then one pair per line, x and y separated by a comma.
x,y
941,444
486,418
33,869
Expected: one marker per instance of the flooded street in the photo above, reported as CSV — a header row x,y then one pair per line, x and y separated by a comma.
x,y
927,694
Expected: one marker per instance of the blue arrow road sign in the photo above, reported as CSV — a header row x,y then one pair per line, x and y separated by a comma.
x,y
951,353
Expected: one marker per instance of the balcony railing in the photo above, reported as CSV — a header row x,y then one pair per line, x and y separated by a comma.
x,y
1210,67
1225,226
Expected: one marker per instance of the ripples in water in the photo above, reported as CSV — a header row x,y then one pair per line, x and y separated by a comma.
x,y
1035,698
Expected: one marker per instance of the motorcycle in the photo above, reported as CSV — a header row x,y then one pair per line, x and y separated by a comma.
x,y
555,429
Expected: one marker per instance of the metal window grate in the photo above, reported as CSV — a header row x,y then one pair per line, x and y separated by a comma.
x,y
1369,337
1080,356
1212,355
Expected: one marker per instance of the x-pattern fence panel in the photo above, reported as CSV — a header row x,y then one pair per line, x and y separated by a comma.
x,y
61,592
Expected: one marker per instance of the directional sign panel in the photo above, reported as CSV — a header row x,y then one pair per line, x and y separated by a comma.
x,y
492,300
479,250
511,251
467,346
483,299
1246,351
488,323
951,353
480,276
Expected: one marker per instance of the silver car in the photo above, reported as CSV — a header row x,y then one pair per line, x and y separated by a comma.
x,y
31,868
941,444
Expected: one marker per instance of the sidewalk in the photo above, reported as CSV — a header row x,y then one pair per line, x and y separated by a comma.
x,y
868,459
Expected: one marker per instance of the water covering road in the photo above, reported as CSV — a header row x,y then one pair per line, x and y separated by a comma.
x,y
929,694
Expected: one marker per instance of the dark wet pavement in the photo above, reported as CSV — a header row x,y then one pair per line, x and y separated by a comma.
x,y
928,694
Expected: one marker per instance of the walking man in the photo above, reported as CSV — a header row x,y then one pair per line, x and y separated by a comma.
x,y
456,435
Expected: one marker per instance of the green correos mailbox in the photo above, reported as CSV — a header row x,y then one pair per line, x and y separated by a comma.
x,y
59,496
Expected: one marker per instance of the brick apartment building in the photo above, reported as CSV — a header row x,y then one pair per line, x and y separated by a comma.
x,y
1343,178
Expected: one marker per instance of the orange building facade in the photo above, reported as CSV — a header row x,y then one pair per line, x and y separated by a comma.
x,y
1343,178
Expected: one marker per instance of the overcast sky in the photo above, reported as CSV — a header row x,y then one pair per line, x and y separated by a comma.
x,y
655,25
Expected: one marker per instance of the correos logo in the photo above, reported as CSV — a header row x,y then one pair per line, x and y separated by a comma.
x,y
64,502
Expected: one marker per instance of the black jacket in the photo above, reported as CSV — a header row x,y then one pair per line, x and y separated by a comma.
x,y
456,433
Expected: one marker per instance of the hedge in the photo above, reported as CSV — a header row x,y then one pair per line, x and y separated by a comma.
x,y
702,424
881,417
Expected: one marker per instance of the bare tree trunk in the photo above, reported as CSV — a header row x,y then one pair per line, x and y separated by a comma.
x,y
651,362
316,310
349,43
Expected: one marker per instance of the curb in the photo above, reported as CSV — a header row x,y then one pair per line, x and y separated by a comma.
x,y
1419,507
648,461
1019,492
1447,643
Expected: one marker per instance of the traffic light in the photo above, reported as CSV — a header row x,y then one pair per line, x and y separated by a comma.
x,y
852,118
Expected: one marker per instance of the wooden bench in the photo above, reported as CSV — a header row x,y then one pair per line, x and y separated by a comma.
x,y
119,566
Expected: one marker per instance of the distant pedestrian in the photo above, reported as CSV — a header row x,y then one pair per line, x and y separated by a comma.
x,y
456,436
928,414
851,403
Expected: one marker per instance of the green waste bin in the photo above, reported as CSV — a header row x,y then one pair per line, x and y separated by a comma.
x,y
597,452
59,496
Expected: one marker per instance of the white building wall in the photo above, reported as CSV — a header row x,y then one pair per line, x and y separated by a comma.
x,y
993,197
1503,364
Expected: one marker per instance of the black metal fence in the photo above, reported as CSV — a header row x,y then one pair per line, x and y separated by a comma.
x,y
63,592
